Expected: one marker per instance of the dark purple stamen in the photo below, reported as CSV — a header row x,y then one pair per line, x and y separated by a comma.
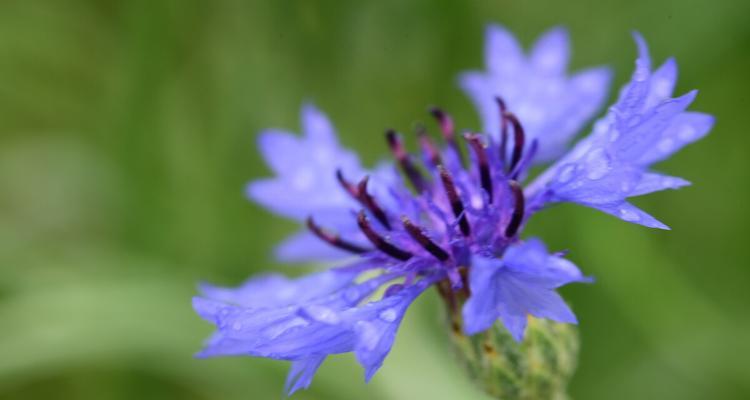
x,y
503,129
380,242
525,160
333,239
359,193
348,186
484,164
518,209
456,204
428,146
446,123
399,152
447,129
369,202
418,234
518,139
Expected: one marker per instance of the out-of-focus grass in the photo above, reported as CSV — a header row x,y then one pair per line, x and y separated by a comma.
x,y
128,134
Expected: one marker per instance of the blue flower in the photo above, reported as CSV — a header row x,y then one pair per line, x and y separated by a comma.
x,y
451,218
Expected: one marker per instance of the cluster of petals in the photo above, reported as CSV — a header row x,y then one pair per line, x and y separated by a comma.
x,y
452,214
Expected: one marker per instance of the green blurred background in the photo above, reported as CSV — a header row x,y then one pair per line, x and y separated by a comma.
x,y
127,135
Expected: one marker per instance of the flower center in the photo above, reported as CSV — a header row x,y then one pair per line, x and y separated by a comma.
x,y
480,206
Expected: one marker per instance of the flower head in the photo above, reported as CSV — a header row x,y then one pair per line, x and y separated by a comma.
x,y
448,218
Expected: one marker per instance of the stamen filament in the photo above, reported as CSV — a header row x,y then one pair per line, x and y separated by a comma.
x,y
484,166
456,205
418,235
369,202
334,239
518,210
503,129
379,241
428,146
518,139
348,186
359,193
399,152
447,128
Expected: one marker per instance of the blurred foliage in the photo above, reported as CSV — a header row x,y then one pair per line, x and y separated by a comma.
x,y
127,135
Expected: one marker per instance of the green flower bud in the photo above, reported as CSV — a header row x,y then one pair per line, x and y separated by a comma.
x,y
538,368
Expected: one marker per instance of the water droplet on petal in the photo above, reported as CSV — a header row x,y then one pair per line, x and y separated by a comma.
x,y
597,164
687,133
666,145
236,326
566,173
322,314
388,315
368,335
629,215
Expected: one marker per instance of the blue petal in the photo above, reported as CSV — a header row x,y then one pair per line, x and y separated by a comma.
x,y
275,290
634,134
306,185
301,373
630,213
532,262
644,126
521,283
376,324
206,308
551,106
316,126
685,128
481,309
551,51
633,94
652,182
502,53
275,146
286,319
662,83
305,169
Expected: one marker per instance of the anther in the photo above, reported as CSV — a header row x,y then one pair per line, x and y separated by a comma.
x,y
503,128
447,129
359,193
418,235
428,146
456,205
446,123
484,165
380,242
518,209
333,239
399,152
348,186
369,202
525,160
518,139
